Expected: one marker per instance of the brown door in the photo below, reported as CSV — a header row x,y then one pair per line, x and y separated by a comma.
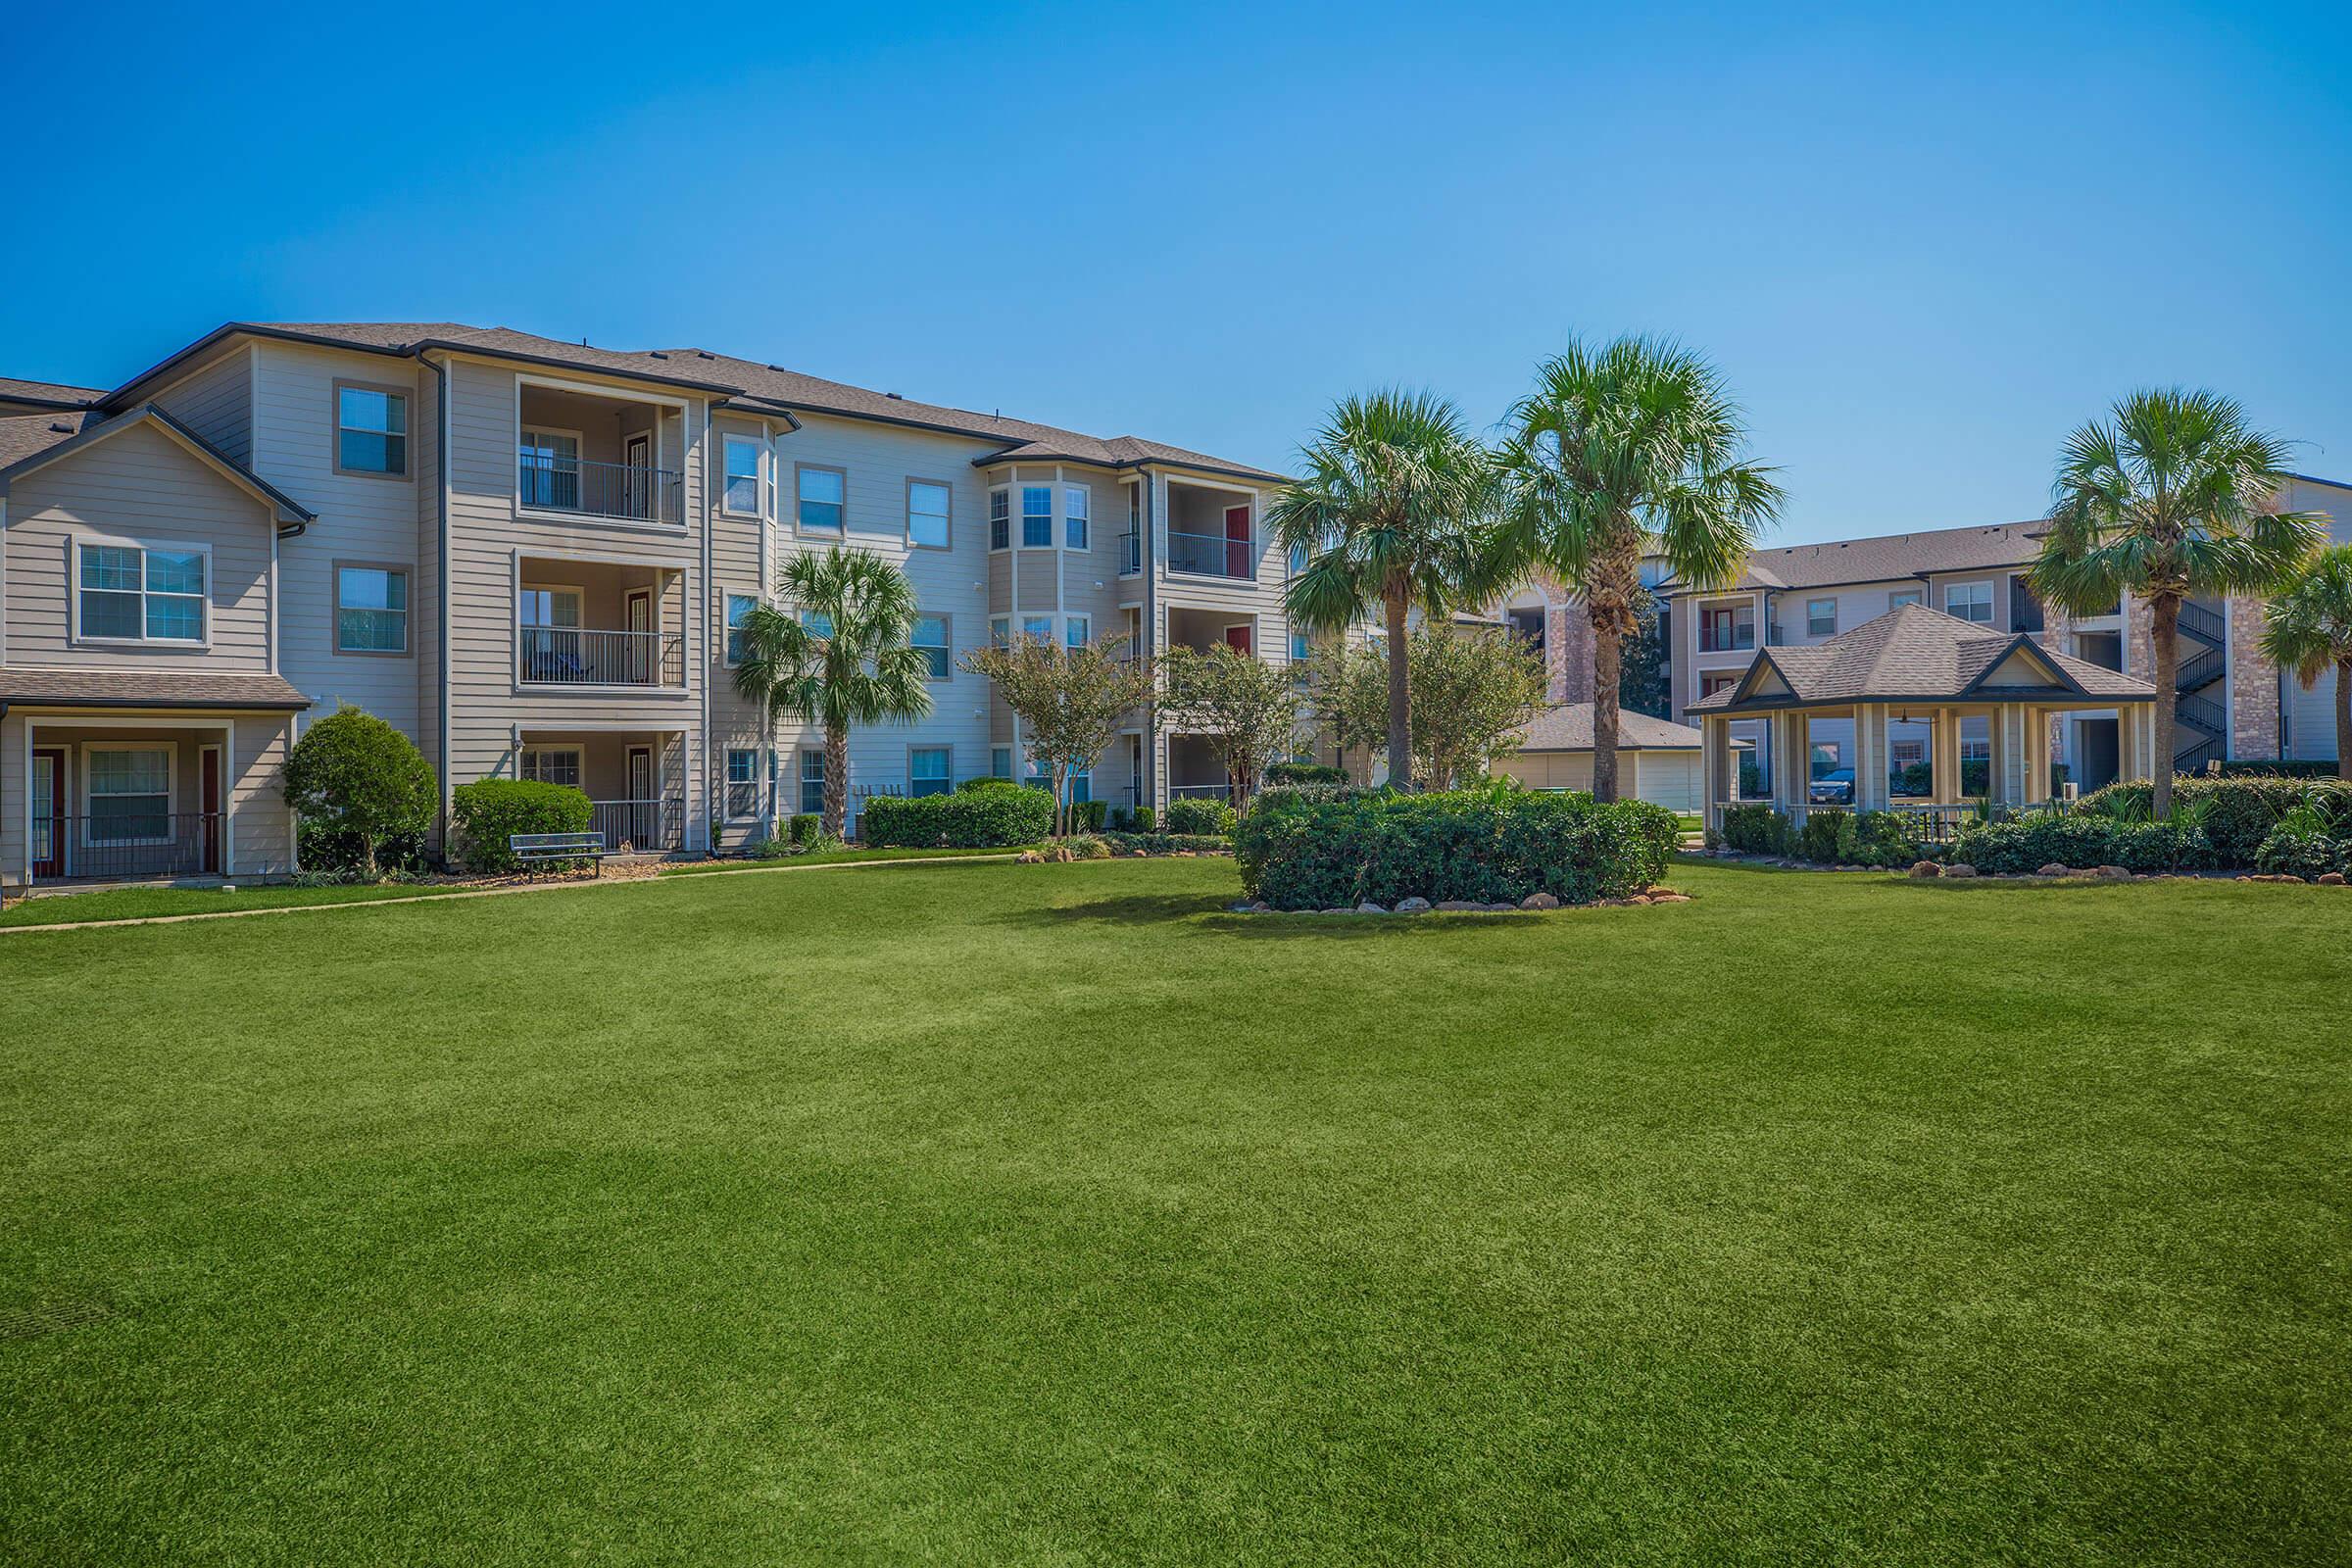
x,y
1237,541
1238,638
49,813
210,793
640,614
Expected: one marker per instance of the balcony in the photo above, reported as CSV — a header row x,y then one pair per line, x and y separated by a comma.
x,y
572,655
549,481
1131,554
1212,532
1214,555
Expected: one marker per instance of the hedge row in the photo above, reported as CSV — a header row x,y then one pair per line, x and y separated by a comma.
x,y
2082,840
2236,812
489,810
968,819
1301,850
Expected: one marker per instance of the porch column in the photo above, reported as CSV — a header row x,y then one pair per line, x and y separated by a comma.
x,y
1785,730
2036,725
2008,731
1715,767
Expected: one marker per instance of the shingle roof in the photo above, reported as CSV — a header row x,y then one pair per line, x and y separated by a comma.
x,y
21,435
51,432
748,383
1568,727
146,688
1921,655
1889,558
12,390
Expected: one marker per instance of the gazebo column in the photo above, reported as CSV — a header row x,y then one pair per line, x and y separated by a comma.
x,y
2008,730
1715,767
2037,755
1870,758
1943,758
1790,771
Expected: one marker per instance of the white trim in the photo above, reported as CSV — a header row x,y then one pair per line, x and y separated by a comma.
x,y
726,784
1990,605
760,479
170,751
77,538
579,759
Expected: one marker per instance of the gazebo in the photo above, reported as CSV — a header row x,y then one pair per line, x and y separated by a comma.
x,y
1916,664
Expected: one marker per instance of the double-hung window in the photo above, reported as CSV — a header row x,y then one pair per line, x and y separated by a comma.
x,y
823,500
1821,617
999,519
1074,504
743,783
928,502
372,610
550,765
1075,630
817,622
999,631
931,639
130,593
813,783
930,770
1303,647
372,431
739,610
743,476
1969,601
1000,762
1040,627
1037,515
130,794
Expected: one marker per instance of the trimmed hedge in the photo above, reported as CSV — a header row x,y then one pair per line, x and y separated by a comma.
x,y
1830,836
1163,843
2082,841
2236,812
1305,773
968,819
987,781
2276,767
1191,814
1488,846
490,809
2294,852
804,827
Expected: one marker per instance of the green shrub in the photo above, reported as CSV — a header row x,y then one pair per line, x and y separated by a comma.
x,y
1755,829
1752,779
1164,842
2022,845
1486,845
987,781
2276,767
1146,819
1190,814
489,810
2301,846
1824,837
1305,773
968,819
2236,812
364,793
804,827
1087,817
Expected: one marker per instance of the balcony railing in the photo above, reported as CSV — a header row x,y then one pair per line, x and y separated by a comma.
x,y
627,491
1739,638
568,656
659,824
1214,555
1131,554
128,846
1200,792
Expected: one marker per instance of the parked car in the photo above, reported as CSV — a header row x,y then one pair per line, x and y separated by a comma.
x,y
1834,788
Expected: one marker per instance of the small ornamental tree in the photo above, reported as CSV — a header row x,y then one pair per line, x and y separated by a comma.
x,y
1475,691
1248,709
1069,702
363,780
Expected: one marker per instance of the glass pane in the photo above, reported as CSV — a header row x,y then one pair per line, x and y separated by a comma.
x,y
144,771
819,625
372,632
367,588
820,485
175,618
358,409
1073,631
110,566
1040,627
743,767
109,615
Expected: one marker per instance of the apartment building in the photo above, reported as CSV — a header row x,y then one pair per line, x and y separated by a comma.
x,y
2232,704
527,555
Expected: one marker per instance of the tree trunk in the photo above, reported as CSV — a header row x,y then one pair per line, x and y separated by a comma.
x,y
1058,779
2343,719
2165,632
1400,701
837,781
1607,657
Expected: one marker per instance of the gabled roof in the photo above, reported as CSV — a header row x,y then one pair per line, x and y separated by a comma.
x,y
35,440
1920,654
1568,727
746,385
1888,557
40,395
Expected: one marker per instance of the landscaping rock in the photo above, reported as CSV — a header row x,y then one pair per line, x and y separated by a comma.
x,y
1028,858
2331,879
1342,911
2052,870
1183,854
2112,873
1960,869
1504,907
1458,906
1538,901
1925,868
1413,906
1369,907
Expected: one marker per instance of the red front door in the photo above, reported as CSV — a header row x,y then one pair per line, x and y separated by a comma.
x,y
49,813
1237,637
211,826
1237,541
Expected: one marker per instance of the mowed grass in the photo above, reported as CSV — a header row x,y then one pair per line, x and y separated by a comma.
x,y
996,1214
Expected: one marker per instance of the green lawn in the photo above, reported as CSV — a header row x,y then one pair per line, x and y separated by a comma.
x,y
138,904
996,1214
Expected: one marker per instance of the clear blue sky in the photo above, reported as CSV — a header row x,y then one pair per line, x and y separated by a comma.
x,y
1922,247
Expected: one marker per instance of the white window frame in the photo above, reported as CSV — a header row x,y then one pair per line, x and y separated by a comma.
x,y
1046,621
1083,625
728,784
726,477
74,543
1000,631
170,751
579,763
1082,538
947,516
1951,588
579,445
1000,762
945,644
335,571
949,752
801,782
1000,510
726,623
841,529
1813,618
1022,515
1900,597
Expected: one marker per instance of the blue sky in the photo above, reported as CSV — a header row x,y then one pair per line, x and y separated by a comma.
x,y
1921,247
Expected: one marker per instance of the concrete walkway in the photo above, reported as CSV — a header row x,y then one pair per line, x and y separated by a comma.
x,y
497,893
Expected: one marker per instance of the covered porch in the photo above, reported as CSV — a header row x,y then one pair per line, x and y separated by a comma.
x,y
1914,670
635,778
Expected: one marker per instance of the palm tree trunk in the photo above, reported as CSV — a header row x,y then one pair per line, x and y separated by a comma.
x,y
2165,631
1607,658
2343,719
1400,700
837,780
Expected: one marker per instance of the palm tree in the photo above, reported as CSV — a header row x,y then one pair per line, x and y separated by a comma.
x,y
1387,516
2309,633
2171,497
845,658
1624,450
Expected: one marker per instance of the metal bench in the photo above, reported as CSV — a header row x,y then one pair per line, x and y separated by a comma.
x,y
556,850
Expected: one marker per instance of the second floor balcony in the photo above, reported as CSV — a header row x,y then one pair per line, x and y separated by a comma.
x,y
594,624
1212,532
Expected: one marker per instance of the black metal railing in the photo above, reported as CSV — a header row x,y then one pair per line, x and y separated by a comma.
x,y
1214,555
652,824
570,656
2203,713
1131,554
128,845
2195,674
626,490
2203,624
1740,639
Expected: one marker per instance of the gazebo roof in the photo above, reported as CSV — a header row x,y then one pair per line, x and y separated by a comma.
x,y
1917,655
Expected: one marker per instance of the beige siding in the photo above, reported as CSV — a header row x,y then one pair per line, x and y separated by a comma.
x,y
425,603
217,403
143,486
1668,778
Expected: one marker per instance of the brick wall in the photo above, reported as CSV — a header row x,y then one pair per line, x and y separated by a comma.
x,y
1568,647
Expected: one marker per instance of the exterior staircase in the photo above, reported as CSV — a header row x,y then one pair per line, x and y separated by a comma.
x,y
2203,731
